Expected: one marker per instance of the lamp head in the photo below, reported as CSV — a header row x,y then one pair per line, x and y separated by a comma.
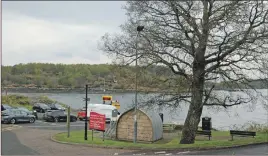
x,y
140,28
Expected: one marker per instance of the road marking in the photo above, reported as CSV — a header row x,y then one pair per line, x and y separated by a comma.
x,y
56,126
10,128
168,154
184,152
161,152
116,154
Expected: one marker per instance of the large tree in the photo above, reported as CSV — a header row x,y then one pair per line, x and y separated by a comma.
x,y
199,41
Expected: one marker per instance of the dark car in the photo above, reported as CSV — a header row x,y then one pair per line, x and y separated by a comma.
x,y
41,108
5,107
16,116
58,116
56,107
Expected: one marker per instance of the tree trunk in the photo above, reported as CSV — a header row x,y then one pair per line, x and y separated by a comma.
x,y
195,110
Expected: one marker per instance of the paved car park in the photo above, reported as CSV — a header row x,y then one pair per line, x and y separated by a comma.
x,y
31,141
9,127
40,124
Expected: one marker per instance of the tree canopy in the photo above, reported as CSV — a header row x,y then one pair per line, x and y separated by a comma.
x,y
45,75
200,41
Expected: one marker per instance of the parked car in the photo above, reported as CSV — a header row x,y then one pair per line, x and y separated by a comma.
x,y
16,116
5,107
41,108
25,109
56,107
58,116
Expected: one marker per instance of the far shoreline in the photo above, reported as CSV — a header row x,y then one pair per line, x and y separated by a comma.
x,y
61,90
5,90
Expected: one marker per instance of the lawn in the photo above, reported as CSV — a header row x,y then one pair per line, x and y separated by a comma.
x,y
219,139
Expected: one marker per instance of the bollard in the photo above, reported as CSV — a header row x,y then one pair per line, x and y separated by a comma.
x,y
68,121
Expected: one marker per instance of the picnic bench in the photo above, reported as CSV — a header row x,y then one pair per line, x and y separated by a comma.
x,y
242,133
206,133
169,127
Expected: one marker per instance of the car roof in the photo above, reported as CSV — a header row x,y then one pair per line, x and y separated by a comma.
x,y
101,106
22,108
43,104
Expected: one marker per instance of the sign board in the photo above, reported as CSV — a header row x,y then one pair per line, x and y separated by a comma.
x,y
97,121
107,98
116,104
114,113
84,99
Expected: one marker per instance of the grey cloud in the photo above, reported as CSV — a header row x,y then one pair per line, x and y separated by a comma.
x,y
70,11
88,12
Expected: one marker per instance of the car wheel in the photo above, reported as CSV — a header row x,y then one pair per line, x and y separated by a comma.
x,y
32,120
13,121
56,119
81,119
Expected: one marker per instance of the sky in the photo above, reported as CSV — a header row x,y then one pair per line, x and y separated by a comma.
x,y
58,32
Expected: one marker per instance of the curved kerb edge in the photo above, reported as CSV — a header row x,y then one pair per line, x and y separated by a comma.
x,y
154,149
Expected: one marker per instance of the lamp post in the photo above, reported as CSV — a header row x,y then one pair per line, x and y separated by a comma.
x,y
86,120
139,29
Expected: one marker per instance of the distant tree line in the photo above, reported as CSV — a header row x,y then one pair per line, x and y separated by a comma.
x,y
105,76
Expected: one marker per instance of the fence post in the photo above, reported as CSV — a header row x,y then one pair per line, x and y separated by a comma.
x,y
68,121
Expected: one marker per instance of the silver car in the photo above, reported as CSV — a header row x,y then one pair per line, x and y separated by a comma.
x,y
13,116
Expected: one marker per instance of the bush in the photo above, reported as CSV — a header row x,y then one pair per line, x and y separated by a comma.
x,y
16,100
46,100
251,126
24,101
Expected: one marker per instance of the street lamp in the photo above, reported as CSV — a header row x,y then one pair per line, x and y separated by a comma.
x,y
139,29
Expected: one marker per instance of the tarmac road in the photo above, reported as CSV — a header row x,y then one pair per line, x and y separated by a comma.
x,y
249,150
61,126
14,146
34,139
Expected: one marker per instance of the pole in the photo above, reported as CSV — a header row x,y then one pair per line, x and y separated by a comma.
x,y
136,92
92,135
68,121
86,120
104,85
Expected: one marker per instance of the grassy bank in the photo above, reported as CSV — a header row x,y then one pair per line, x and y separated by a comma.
x,y
219,139
27,102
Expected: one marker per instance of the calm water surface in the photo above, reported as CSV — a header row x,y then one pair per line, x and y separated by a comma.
x,y
221,118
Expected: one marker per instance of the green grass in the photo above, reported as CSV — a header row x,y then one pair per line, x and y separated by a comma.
x,y
17,101
219,139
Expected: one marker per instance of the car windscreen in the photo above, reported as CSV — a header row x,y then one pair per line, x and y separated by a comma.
x,y
7,107
58,106
44,106
24,109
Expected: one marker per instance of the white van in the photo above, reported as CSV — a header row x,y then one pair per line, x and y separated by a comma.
x,y
101,109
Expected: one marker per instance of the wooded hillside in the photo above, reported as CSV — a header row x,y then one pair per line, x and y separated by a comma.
x,y
45,75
